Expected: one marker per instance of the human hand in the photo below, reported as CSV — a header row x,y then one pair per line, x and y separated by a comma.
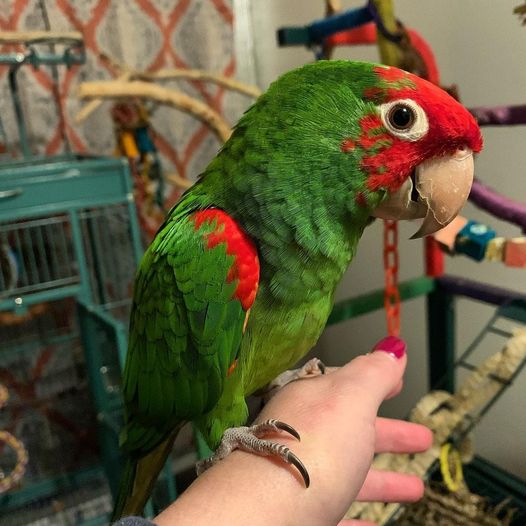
x,y
335,415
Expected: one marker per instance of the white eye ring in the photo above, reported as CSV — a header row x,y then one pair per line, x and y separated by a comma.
x,y
412,126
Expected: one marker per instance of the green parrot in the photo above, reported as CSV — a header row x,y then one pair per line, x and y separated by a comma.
x,y
239,281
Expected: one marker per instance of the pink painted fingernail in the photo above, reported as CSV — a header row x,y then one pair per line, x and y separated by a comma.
x,y
392,345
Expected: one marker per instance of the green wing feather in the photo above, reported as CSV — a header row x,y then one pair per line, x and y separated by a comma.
x,y
185,332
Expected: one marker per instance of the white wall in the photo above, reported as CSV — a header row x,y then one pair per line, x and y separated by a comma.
x,y
481,46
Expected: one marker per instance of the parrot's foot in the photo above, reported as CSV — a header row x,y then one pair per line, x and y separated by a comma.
x,y
314,367
248,439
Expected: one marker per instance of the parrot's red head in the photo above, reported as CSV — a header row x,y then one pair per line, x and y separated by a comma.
x,y
418,145
371,140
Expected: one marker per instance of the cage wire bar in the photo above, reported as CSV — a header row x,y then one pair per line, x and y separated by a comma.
x,y
36,255
69,247
514,310
72,52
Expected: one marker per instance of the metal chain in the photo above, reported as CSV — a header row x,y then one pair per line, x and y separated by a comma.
x,y
391,293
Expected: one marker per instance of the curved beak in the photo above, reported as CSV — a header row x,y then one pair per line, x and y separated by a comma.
x,y
436,191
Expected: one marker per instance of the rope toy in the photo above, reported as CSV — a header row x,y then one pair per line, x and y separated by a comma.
x,y
450,457
446,414
11,480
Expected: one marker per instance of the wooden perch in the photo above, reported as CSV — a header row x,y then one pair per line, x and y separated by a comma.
x,y
187,74
92,105
127,73
333,7
117,89
43,37
179,181
196,74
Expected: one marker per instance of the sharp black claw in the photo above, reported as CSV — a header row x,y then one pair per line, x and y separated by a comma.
x,y
288,429
321,367
293,459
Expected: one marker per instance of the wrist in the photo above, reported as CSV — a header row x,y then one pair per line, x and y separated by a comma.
x,y
249,489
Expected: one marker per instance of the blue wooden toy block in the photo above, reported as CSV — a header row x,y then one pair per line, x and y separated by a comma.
x,y
473,240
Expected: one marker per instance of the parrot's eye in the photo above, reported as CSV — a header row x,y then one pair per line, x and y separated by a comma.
x,y
404,119
401,117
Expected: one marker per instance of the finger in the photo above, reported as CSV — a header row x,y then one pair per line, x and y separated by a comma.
x,y
397,436
378,373
389,486
396,390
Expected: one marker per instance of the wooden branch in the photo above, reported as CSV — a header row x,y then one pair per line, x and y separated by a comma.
x,y
122,68
179,181
118,89
521,11
92,105
30,37
189,74
128,73
196,74
333,7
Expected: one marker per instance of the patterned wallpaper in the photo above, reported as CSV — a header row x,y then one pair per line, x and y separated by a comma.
x,y
144,34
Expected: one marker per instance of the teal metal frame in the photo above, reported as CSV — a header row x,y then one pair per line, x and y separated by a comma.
x,y
442,321
359,305
45,488
67,186
74,53
441,338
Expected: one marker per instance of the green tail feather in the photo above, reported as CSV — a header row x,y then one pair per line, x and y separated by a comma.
x,y
125,489
139,477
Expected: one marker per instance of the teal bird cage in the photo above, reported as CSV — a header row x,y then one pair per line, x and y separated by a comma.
x,y
69,247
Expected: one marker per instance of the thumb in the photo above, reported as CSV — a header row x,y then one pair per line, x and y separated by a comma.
x,y
380,372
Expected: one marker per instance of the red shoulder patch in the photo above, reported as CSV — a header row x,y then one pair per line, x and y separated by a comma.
x,y
245,269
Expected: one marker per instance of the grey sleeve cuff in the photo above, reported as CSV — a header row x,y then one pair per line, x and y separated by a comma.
x,y
133,521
